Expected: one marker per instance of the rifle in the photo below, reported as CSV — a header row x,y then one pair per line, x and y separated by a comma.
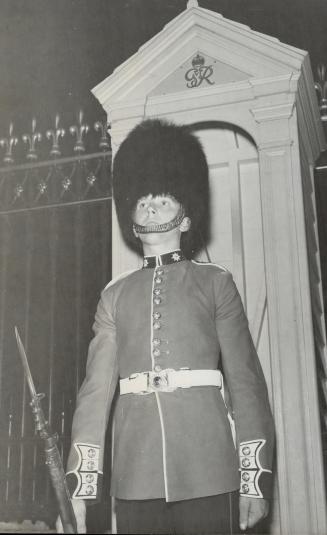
x,y
52,455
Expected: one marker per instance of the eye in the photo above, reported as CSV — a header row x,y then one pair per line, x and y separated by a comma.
x,y
164,202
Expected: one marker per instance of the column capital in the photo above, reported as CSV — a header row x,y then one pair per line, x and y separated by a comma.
x,y
275,144
274,112
276,125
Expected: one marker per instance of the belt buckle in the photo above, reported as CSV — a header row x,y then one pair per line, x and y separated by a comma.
x,y
146,390
159,381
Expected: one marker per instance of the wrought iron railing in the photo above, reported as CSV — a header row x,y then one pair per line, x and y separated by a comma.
x,y
55,257
75,180
36,145
321,88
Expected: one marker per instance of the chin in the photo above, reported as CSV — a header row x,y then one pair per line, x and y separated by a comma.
x,y
151,238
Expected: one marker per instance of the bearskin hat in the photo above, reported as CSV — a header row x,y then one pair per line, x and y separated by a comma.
x,y
157,158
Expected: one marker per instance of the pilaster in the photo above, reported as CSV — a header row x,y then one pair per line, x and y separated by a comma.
x,y
299,457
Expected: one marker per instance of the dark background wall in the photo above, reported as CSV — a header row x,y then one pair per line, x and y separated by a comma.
x,y
53,52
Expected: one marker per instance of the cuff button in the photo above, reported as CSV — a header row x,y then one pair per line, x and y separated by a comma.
x,y
89,490
245,476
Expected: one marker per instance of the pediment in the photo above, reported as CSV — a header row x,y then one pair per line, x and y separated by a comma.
x,y
233,51
200,70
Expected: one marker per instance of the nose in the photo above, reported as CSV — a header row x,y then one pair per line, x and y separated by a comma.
x,y
151,208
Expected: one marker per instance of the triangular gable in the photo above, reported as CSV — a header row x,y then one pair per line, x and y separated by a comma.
x,y
236,51
200,70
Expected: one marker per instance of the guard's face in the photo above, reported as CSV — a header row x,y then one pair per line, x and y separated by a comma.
x,y
151,210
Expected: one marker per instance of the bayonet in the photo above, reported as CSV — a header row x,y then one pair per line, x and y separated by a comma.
x,y
53,459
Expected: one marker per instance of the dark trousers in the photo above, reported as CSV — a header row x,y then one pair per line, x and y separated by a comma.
x,y
213,515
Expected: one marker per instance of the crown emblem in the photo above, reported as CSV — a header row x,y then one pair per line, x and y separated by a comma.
x,y
198,72
197,61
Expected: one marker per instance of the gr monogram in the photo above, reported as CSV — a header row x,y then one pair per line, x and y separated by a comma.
x,y
198,73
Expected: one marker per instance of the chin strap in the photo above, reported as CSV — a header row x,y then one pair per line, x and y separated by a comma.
x,y
164,227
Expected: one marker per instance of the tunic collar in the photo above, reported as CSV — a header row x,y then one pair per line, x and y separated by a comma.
x,y
163,259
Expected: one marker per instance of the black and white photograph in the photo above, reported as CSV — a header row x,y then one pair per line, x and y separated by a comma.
x,y
163,267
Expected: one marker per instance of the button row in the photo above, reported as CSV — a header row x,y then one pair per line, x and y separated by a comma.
x,y
156,342
156,352
245,476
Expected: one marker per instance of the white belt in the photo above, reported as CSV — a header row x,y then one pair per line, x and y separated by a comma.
x,y
168,380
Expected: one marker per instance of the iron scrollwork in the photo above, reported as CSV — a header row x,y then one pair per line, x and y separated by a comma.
x,y
8,143
55,135
79,130
31,139
321,88
36,151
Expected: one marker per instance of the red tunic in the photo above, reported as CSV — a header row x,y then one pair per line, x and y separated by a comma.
x,y
174,445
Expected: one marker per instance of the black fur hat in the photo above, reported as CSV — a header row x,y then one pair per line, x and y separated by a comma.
x,y
158,157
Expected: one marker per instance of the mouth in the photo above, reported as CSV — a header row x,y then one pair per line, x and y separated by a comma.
x,y
151,222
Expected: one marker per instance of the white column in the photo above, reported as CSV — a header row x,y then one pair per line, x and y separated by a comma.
x,y
123,258
300,484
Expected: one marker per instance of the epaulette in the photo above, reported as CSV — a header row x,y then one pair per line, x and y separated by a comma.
x,y
199,263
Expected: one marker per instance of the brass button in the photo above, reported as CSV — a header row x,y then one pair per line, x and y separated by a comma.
x,y
245,488
90,465
246,462
157,380
245,476
158,280
157,368
156,353
159,272
91,453
157,291
89,490
157,325
246,450
156,341
157,300
89,478
156,315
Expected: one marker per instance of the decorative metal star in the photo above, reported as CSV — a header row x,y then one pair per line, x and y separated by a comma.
x,y
176,257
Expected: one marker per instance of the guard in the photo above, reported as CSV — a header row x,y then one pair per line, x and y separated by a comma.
x,y
193,441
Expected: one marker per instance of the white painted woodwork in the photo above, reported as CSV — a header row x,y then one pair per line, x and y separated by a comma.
x,y
235,214
263,218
